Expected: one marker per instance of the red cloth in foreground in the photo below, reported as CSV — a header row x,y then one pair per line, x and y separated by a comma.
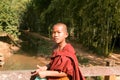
x,y
66,61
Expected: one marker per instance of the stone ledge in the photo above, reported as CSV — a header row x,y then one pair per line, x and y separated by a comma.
x,y
86,71
15,75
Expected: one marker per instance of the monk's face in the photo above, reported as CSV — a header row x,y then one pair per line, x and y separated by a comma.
x,y
59,33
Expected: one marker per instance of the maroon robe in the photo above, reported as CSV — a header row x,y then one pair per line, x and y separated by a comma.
x,y
66,61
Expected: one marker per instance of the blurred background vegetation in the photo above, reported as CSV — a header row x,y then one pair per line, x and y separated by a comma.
x,y
93,23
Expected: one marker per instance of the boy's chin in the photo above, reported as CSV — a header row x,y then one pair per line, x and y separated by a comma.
x,y
57,42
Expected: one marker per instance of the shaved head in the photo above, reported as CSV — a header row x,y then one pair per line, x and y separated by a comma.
x,y
61,25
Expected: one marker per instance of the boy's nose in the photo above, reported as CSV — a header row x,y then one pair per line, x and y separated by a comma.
x,y
56,34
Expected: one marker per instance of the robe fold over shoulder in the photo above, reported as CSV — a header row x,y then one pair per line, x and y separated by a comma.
x,y
66,61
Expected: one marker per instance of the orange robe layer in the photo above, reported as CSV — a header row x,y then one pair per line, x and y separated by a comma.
x,y
66,61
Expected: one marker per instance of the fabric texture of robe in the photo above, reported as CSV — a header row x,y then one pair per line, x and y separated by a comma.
x,y
66,61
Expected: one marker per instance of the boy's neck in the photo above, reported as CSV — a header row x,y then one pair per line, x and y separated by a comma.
x,y
61,45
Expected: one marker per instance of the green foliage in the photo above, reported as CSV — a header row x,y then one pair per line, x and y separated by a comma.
x,y
10,12
101,26
95,24
1,28
13,30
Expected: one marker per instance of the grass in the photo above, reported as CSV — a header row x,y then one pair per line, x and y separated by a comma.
x,y
37,46
44,47
82,60
95,78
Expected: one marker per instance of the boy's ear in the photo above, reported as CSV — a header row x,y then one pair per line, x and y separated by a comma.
x,y
66,35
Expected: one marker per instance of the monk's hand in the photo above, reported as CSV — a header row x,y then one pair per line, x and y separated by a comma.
x,y
43,68
35,72
42,74
39,68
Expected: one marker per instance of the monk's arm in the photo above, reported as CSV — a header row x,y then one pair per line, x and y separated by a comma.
x,y
43,74
40,69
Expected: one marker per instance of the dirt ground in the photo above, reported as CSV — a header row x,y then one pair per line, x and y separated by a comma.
x,y
20,60
91,59
94,59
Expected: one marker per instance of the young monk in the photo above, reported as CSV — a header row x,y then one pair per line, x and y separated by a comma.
x,y
63,64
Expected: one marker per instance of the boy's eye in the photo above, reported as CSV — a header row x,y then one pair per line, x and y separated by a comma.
x,y
55,32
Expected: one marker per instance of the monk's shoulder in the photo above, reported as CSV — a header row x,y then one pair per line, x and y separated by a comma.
x,y
69,48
